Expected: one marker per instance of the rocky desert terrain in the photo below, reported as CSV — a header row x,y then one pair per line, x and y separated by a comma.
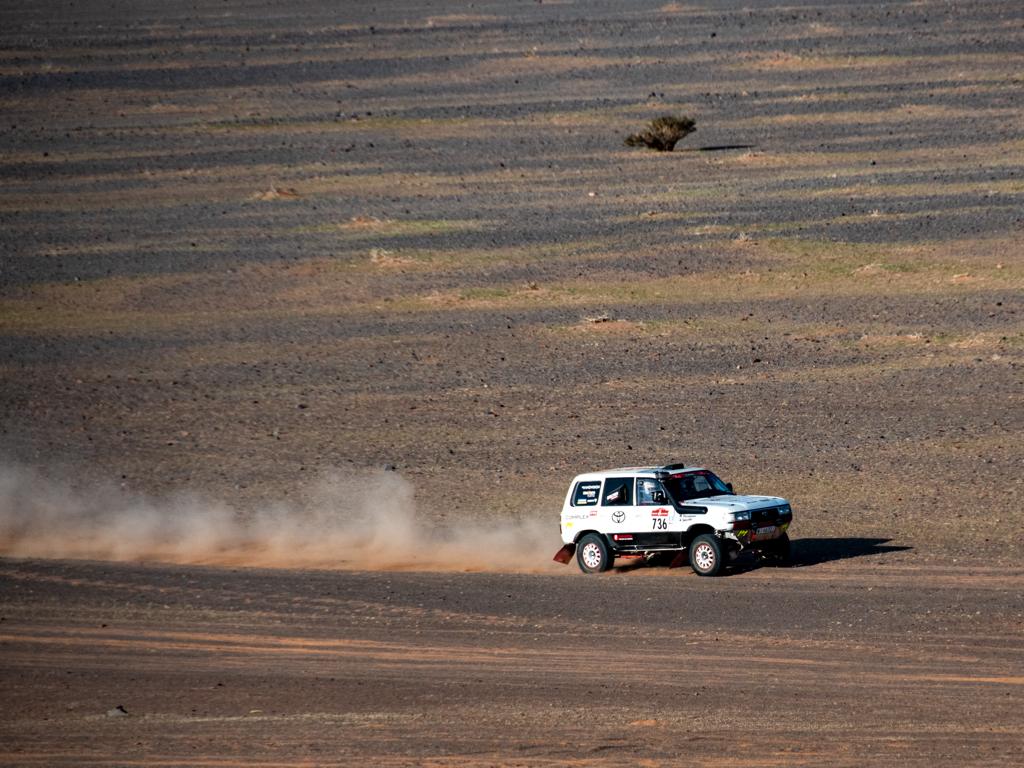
x,y
251,251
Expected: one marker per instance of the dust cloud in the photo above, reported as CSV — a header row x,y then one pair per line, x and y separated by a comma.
x,y
350,523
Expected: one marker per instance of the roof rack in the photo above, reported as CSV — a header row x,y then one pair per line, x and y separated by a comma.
x,y
671,467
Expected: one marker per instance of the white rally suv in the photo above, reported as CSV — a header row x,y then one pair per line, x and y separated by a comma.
x,y
689,511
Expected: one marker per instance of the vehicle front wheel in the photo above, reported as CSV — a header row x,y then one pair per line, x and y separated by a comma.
x,y
592,554
706,555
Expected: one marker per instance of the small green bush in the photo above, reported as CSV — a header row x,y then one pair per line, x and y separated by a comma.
x,y
663,133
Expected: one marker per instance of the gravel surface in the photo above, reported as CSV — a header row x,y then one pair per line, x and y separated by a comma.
x,y
854,664
247,246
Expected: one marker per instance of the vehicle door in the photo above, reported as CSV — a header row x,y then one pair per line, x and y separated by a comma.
x,y
656,515
619,513
684,489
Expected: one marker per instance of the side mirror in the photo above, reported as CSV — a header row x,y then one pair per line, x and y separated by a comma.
x,y
729,486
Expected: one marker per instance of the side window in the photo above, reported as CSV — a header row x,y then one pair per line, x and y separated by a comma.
x,y
618,491
686,488
645,490
586,493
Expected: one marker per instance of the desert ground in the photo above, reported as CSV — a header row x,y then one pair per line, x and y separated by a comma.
x,y
869,664
251,250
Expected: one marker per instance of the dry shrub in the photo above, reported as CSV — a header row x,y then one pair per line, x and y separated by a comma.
x,y
663,133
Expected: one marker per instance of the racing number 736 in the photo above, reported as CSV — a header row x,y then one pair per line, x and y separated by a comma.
x,y
660,524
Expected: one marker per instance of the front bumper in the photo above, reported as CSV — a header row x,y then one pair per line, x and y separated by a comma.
x,y
760,535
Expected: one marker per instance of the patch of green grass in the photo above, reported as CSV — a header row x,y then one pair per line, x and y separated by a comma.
x,y
385,228
455,259
812,249
848,262
788,268
1014,340
486,294
319,123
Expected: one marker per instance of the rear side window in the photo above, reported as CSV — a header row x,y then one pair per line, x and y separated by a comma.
x,y
586,493
618,491
646,489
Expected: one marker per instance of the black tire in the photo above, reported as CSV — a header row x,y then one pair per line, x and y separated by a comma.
x,y
780,552
706,557
593,555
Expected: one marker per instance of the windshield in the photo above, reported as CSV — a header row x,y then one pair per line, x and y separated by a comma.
x,y
694,485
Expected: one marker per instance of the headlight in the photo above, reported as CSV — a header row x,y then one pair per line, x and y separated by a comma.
x,y
739,516
785,509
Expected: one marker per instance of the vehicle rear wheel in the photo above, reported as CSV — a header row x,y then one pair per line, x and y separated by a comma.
x,y
706,555
593,555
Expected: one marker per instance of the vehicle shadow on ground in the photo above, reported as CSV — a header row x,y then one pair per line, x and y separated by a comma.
x,y
818,551
716,148
806,552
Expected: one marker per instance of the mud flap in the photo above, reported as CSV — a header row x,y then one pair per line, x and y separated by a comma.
x,y
683,558
564,555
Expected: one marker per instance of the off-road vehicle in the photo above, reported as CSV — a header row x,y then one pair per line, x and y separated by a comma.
x,y
689,511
